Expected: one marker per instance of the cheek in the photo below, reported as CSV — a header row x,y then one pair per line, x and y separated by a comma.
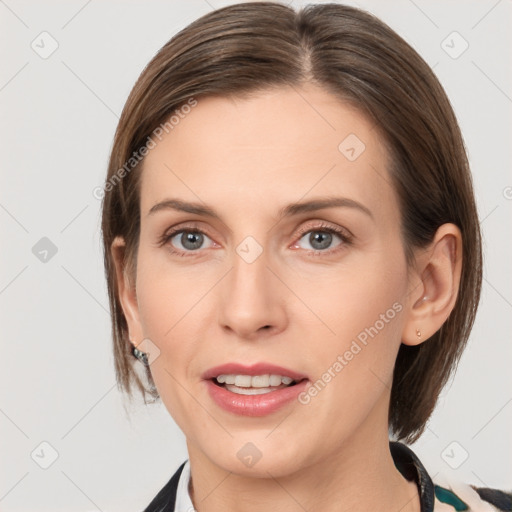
x,y
174,310
362,312
166,306
167,294
354,367
355,297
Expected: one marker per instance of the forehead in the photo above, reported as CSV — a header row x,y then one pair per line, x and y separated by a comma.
x,y
266,150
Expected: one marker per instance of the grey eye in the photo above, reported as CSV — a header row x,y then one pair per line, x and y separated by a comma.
x,y
190,240
319,240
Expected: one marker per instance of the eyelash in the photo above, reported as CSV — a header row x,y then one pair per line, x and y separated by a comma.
x,y
345,236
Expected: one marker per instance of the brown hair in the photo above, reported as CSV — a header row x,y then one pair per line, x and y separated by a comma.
x,y
251,47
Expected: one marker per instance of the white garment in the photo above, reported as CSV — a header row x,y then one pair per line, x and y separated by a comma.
x,y
183,501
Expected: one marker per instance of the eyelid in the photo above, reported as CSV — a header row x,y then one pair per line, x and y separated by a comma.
x,y
322,225
166,237
343,234
187,226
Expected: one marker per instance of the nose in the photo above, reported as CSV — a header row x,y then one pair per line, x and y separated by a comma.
x,y
252,302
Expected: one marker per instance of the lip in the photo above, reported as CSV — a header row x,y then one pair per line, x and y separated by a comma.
x,y
254,405
254,369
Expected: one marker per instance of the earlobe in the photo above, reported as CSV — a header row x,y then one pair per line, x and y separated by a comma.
x,y
126,290
434,294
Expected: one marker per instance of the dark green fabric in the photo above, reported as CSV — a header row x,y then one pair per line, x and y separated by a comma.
x,y
446,496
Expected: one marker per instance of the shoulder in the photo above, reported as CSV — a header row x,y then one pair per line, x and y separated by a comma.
x,y
165,500
453,495
444,494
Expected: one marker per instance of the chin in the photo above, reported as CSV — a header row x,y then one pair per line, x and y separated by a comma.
x,y
258,459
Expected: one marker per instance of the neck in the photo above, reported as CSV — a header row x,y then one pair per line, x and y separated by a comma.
x,y
359,475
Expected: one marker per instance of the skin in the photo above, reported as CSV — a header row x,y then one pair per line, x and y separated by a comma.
x,y
293,306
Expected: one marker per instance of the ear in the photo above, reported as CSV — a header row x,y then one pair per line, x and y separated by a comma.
x,y
126,291
434,285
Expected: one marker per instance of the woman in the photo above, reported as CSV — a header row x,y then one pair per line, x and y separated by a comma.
x,y
292,251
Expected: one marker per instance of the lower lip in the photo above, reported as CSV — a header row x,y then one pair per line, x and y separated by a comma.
x,y
254,405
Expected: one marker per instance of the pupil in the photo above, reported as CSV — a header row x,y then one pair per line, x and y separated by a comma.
x,y
320,240
192,240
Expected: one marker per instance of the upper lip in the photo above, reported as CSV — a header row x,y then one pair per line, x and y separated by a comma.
x,y
253,369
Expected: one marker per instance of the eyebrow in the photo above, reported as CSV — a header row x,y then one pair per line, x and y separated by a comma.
x,y
321,204
183,206
287,211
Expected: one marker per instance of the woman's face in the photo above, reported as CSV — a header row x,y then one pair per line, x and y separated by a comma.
x,y
270,234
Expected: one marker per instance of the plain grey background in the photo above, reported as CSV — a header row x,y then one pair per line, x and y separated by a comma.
x,y
67,69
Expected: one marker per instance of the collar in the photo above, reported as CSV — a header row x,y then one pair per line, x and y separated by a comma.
x,y
411,468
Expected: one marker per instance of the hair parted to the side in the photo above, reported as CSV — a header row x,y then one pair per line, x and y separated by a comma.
x,y
252,47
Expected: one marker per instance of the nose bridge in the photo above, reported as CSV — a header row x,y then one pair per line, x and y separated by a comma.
x,y
248,276
249,283
251,298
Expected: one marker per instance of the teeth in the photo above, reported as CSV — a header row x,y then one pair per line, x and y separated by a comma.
x,y
256,381
252,391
